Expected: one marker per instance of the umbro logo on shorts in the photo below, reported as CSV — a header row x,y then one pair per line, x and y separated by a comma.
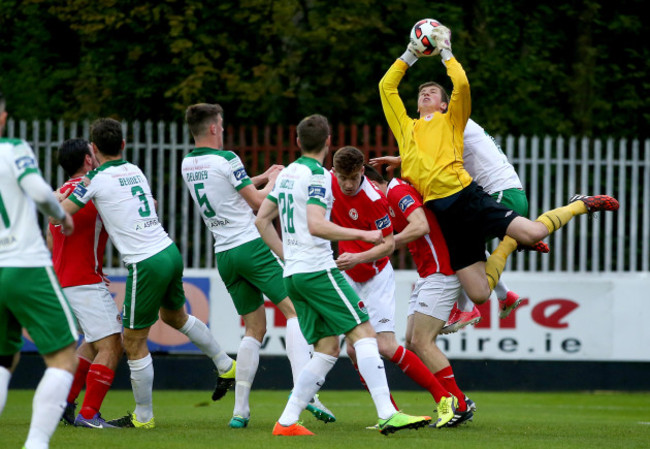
x,y
508,213
384,320
423,304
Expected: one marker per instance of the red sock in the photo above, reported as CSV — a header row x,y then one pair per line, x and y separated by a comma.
x,y
418,371
79,379
446,377
100,379
363,382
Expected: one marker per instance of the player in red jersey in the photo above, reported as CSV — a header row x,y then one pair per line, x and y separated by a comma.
x,y
436,290
358,204
78,262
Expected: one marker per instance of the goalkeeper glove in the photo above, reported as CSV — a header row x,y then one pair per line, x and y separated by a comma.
x,y
442,36
411,55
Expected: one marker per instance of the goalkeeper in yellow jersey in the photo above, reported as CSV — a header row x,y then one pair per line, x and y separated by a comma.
x,y
431,148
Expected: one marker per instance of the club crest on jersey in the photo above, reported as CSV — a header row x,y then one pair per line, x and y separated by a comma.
x,y
316,192
80,190
391,211
405,202
428,118
25,162
383,222
353,214
362,306
240,174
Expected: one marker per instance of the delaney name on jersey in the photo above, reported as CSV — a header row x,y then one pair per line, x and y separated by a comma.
x,y
196,175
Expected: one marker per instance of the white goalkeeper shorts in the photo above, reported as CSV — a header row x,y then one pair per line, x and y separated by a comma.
x,y
95,310
378,296
435,295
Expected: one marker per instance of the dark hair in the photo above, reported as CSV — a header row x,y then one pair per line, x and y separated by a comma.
x,y
373,175
313,132
444,97
106,134
200,116
72,154
348,160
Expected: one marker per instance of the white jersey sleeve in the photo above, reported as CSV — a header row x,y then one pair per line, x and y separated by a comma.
x,y
21,239
485,161
214,179
303,182
123,198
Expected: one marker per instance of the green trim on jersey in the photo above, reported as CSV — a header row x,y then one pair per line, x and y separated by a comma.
x,y
245,182
311,163
317,202
13,141
272,198
74,199
108,164
205,151
29,171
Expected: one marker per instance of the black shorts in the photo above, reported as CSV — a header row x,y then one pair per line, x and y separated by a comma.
x,y
467,219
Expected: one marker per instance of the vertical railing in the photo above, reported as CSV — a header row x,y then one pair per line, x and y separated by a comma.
x,y
551,168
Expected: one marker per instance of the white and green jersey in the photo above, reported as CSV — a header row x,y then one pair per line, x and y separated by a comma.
x,y
123,199
303,182
21,239
214,178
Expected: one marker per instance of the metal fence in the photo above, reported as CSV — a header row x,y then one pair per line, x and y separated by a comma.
x,y
551,169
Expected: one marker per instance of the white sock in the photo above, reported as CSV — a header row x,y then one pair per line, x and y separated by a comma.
x,y
200,335
310,380
142,385
464,303
248,359
501,289
47,407
298,350
371,367
5,376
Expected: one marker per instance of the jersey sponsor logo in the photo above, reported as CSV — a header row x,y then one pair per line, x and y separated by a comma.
x,y
7,242
383,222
80,190
216,222
353,214
405,202
240,174
391,211
25,162
146,224
316,192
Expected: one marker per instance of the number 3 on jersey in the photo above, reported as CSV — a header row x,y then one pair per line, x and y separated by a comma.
x,y
144,211
286,209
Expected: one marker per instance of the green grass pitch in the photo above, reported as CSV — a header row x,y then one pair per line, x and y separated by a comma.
x,y
189,419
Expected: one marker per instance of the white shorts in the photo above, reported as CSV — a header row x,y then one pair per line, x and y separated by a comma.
x,y
95,310
378,296
435,295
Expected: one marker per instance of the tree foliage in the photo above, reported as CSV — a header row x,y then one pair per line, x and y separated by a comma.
x,y
578,67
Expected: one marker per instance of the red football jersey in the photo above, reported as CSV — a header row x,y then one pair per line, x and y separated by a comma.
x,y
78,258
366,210
430,251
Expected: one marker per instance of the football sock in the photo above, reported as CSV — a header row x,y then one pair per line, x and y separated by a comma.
x,y
463,302
363,382
556,218
142,385
5,376
47,407
200,335
298,350
446,377
413,367
248,359
79,378
501,290
99,381
497,260
371,367
310,380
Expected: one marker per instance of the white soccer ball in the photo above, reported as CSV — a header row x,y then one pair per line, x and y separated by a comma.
x,y
423,37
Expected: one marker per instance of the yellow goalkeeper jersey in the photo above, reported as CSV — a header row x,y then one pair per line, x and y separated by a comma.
x,y
431,147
